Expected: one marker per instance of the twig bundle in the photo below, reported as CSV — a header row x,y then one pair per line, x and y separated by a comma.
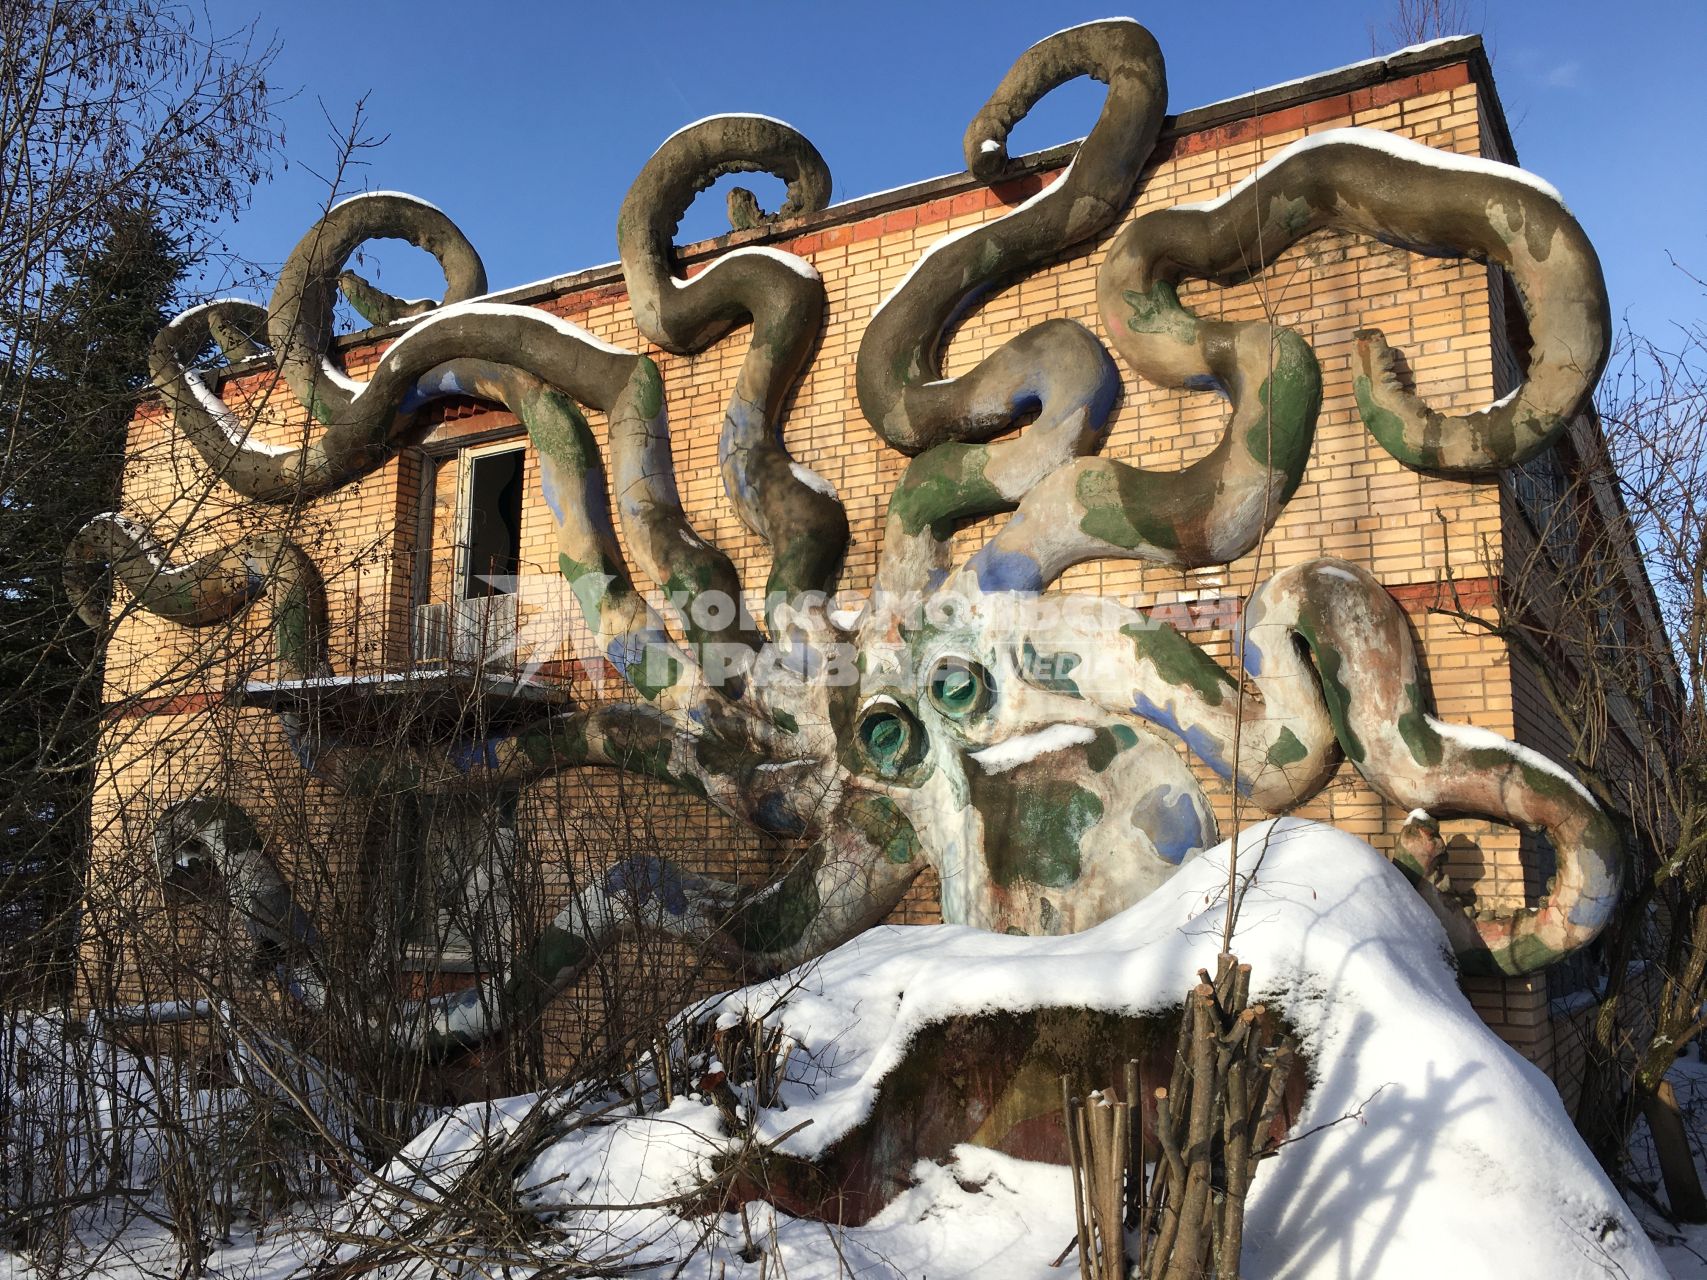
x,y
1184,1215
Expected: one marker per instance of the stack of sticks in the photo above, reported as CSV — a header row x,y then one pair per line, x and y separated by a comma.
x,y
1184,1215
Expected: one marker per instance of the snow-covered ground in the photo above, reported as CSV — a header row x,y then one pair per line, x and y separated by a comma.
x,y
1682,1249
1425,1147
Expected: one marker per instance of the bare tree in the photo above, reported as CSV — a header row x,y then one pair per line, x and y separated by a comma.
x,y
1604,604
126,130
1419,21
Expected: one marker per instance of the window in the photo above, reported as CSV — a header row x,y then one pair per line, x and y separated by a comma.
x,y
1544,492
471,536
458,862
492,524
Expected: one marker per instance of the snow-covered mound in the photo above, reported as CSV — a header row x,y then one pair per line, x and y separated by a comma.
x,y
1425,1146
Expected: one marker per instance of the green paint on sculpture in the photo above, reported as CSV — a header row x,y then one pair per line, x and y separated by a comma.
x,y
881,821
589,587
778,918
1119,507
1389,428
1033,830
656,673
1159,312
648,389
1414,727
1179,662
1286,749
558,954
1291,397
1107,744
1337,695
1052,671
558,429
561,739
942,486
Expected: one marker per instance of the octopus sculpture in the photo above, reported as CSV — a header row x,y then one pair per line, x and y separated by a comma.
x,y
1017,739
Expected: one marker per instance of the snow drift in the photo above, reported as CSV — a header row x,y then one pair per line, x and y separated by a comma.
x,y
1425,1144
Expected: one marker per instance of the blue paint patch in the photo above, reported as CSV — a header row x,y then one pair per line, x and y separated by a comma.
x,y
967,302
629,651
302,929
468,755
1174,823
1024,401
304,751
430,388
1102,400
643,878
552,499
1253,658
777,816
1199,741
1006,571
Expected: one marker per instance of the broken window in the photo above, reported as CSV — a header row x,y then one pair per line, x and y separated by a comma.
x,y
493,528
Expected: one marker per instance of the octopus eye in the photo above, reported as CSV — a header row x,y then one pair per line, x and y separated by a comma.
x,y
961,688
891,739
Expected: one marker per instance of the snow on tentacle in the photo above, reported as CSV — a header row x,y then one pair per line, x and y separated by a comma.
x,y
795,511
1360,692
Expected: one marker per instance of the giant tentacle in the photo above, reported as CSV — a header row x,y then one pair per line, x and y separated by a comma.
x,y
300,318
1056,369
532,362
209,833
1394,190
843,885
355,431
899,376
1210,512
629,631
793,509
207,590
1361,692
481,351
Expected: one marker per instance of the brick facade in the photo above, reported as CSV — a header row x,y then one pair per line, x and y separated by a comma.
x,y
173,729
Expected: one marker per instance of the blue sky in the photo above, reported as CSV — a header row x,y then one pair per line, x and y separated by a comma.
x,y
527,123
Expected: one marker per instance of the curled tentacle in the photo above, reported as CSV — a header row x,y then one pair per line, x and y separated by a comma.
x,y
209,834
1210,512
1360,691
219,435
361,424
375,305
207,590
698,578
901,388
237,327
300,317
794,510
1050,368
572,476
1394,190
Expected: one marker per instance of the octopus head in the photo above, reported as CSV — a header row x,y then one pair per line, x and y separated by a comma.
x,y
1042,811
